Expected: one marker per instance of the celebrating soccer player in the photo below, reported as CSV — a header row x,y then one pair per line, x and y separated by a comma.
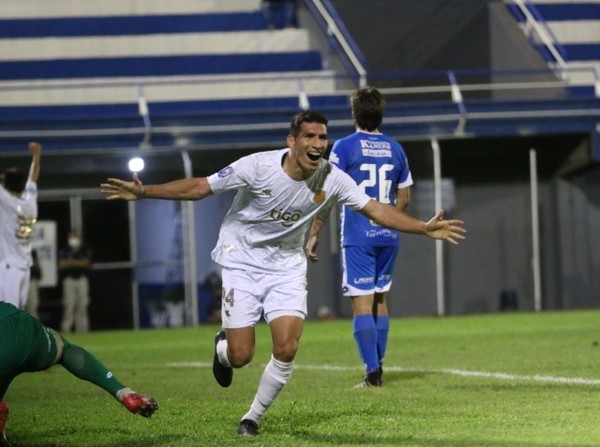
x,y
260,246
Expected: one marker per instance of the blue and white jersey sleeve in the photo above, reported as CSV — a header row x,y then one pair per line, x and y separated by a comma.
x,y
337,157
405,177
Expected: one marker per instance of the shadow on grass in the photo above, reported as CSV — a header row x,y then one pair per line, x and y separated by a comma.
x,y
391,377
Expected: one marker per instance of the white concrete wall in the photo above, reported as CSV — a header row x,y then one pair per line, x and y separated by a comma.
x,y
85,8
189,88
240,42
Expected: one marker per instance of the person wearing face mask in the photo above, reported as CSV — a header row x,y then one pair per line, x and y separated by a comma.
x,y
74,265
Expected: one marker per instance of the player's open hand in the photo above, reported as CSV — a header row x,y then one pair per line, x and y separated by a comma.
x,y
311,248
447,230
121,189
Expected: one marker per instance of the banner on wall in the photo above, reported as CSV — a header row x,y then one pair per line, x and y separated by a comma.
x,y
43,241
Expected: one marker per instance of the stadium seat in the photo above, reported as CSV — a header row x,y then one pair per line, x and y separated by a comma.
x,y
575,29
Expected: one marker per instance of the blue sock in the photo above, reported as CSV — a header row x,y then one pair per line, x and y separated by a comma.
x,y
383,328
365,334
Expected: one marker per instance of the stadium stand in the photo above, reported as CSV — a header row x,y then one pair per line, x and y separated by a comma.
x,y
567,35
106,66
208,73
204,39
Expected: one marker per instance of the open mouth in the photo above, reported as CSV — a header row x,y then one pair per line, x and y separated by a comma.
x,y
314,156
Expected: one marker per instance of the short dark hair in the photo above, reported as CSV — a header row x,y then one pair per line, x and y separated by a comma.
x,y
306,116
14,180
368,106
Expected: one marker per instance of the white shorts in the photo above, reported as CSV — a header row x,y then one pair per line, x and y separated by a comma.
x,y
248,295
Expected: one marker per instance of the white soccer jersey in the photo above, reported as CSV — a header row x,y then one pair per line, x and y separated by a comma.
x,y
17,216
266,224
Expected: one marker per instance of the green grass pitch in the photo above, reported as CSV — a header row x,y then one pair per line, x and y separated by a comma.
x,y
518,379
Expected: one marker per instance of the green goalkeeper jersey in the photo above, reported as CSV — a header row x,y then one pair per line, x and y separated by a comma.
x,y
25,344
7,309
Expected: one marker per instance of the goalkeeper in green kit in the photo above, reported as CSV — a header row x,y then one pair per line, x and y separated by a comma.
x,y
26,345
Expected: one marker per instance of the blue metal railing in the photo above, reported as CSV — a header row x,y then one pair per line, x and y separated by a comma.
x,y
339,38
440,104
535,23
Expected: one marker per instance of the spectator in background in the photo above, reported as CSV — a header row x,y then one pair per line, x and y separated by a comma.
x,y
33,302
18,214
74,264
280,14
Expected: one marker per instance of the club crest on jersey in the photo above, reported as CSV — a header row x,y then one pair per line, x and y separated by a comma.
x,y
25,226
319,197
225,172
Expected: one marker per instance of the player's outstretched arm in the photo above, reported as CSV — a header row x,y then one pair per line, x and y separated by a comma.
x,y
184,189
35,149
436,228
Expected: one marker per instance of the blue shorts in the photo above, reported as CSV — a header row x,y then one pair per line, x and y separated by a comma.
x,y
366,270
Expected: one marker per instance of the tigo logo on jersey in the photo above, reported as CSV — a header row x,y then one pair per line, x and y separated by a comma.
x,y
225,172
287,218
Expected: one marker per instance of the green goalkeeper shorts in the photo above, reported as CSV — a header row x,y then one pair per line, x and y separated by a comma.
x,y
25,344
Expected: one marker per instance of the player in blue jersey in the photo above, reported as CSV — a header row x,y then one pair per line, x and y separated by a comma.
x,y
378,165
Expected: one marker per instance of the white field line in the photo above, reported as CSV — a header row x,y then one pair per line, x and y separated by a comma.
x,y
449,371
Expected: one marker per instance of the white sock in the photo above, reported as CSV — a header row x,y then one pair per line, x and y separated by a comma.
x,y
274,377
222,353
123,392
